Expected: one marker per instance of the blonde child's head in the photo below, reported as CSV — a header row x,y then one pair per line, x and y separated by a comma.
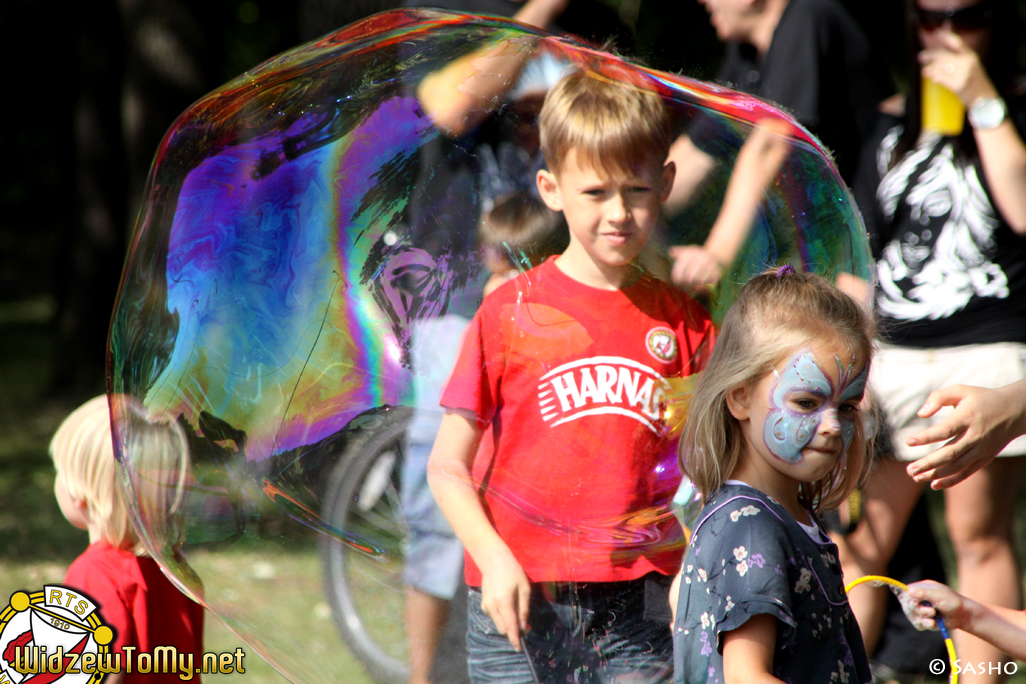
x,y
777,315
83,455
87,485
613,126
520,231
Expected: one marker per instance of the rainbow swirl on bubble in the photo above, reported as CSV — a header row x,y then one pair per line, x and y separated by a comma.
x,y
268,299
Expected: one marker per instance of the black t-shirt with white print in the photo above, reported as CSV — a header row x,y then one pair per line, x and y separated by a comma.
x,y
950,271
821,67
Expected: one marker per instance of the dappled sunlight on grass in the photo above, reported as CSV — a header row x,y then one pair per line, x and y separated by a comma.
x,y
285,595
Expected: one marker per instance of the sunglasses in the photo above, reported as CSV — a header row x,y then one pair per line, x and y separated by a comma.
x,y
971,18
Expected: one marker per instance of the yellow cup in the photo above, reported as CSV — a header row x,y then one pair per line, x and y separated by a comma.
x,y
943,112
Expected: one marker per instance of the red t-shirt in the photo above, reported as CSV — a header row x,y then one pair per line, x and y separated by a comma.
x,y
575,468
140,604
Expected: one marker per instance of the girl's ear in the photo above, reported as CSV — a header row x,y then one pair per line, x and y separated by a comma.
x,y
738,402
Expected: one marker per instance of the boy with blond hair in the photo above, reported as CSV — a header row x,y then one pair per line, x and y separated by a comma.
x,y
134,597
553,463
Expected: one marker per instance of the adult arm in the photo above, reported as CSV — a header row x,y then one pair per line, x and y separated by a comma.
x,y
983,422
693,167
1002,152
460,96
757,166
505,589
1005,628
748,651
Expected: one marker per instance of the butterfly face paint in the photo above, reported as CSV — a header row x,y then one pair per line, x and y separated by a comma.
x,y
788,427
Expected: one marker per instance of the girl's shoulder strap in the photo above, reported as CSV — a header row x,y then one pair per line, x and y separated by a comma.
x,y
738,501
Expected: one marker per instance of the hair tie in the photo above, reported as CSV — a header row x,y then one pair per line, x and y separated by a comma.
x,y
785,269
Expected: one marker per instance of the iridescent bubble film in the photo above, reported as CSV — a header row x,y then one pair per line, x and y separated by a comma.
x,y
293,266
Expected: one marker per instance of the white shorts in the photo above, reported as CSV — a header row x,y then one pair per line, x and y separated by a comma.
x,y
902,377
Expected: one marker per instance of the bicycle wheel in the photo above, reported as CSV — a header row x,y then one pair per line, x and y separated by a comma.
x,y
366,593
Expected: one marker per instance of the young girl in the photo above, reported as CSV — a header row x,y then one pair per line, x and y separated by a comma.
x,y
773,437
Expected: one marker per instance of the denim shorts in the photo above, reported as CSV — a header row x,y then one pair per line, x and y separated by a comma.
x,y
434,556
591,633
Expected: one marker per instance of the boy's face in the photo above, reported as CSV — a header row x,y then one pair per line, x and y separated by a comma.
x,y
609,218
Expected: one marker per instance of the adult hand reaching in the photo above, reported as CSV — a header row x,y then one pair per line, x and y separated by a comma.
x,y
982,423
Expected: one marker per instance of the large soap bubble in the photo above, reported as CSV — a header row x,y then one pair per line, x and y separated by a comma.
x,y
263,363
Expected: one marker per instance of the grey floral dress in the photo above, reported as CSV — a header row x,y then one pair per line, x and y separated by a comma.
x,y
749,556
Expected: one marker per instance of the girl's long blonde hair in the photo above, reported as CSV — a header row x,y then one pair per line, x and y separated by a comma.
x,y
774,316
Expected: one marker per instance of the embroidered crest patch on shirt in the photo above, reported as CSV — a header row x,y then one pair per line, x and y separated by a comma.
x,y
662,344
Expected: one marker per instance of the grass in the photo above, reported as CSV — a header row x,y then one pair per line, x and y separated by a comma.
x,y
280,598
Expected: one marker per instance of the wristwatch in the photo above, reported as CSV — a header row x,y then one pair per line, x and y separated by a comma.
x,y
987,113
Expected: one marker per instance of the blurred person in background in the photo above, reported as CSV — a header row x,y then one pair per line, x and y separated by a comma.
x,y
810,58
946,212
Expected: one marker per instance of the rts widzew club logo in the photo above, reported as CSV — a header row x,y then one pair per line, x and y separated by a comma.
x,y
53,635
662,344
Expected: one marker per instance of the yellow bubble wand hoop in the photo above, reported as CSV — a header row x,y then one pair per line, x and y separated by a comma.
x,y
895,584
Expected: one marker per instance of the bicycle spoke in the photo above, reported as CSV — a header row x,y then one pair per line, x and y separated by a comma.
x,y
368,595
375,521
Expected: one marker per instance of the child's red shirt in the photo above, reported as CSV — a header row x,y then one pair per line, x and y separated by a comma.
x,y
140,604
576,470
